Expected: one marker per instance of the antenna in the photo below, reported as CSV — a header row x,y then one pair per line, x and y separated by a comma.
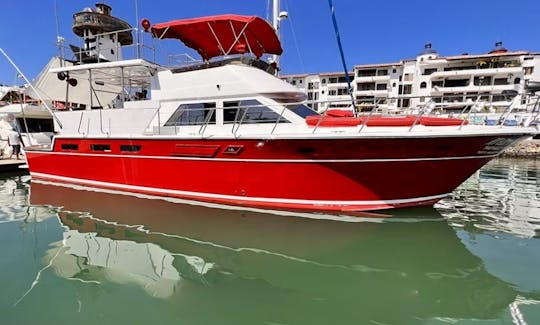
x,y
138,46
59,39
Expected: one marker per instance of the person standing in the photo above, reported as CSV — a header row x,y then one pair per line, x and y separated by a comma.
x,y
14,140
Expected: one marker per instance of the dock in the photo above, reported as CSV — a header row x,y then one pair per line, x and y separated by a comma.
x,y
12,165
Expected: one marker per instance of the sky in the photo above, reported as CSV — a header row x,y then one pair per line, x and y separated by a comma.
x,y
371,31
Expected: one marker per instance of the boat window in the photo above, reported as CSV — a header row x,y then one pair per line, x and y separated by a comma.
x,y
301,110
193,114
249,111
130,147
69,146
36,124
100,147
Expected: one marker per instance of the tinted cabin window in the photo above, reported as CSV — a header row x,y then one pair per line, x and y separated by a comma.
x,y
248,112
193,114
100,147
36,124
130,148
69,146
302,110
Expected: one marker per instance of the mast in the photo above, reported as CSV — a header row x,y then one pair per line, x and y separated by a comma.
x,y
277,16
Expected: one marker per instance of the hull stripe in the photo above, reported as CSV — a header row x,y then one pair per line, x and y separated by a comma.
x,y
233,198
269,160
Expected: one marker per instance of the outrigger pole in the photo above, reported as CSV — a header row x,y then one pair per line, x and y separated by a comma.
x,y
31,86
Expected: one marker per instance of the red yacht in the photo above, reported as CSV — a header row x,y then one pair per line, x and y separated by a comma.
x,y
226,130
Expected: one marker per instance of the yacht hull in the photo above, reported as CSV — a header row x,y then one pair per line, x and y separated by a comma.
x,y
330,175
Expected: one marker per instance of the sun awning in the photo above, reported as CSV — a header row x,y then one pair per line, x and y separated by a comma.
x,y
222,35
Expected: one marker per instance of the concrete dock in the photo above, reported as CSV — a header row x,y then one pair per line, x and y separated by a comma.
x,y
12,165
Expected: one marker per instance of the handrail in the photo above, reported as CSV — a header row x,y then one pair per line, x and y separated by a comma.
x,y
80,123
33,88
364,123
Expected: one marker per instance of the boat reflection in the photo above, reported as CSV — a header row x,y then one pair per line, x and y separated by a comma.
x,y
255,266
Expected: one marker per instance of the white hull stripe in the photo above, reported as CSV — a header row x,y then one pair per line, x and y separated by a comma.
x,y
233,197
269,160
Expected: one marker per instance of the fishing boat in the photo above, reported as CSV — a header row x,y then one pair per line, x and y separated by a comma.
x,y
226,130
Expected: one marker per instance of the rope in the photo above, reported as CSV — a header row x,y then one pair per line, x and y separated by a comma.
x,y
338,39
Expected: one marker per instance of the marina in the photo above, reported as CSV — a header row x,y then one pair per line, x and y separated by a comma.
x,y
213,188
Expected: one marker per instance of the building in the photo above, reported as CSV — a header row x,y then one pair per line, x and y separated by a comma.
x,y
491,81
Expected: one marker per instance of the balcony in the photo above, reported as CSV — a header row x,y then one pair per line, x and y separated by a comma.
x,y
372,78
437,90
475,72
377,93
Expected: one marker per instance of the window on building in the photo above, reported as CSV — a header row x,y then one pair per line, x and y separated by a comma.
x,y
363,86
404,102
382,72
381,86
423,84
482,81
367,73
500,81
407,90
517,81
438,83
429,71
344,79
528,70
456,82
323,81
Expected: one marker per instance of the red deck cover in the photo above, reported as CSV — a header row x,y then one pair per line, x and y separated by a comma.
x,y
222,35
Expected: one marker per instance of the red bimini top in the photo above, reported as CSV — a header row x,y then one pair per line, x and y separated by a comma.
x,y
222,35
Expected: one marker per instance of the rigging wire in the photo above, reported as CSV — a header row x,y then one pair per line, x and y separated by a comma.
x,y
338,39
295,40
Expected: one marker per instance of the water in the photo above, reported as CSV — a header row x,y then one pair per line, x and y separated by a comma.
x,y
78,257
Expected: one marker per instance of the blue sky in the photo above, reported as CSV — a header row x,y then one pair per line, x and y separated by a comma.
x,y
371,31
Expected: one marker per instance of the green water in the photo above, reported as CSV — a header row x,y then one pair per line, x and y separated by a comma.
x,y
77,257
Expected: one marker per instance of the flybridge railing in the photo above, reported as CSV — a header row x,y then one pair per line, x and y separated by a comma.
x,y
142,48
236,118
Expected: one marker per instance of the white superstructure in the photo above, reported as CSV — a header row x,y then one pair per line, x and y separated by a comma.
x,y
493,80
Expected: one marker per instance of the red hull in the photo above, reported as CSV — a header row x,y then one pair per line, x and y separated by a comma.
x,y
304,174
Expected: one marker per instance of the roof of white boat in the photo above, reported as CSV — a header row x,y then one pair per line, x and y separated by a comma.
x,y
133,63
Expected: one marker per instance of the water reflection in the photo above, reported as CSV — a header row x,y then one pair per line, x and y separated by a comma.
x,y
259,268
504,196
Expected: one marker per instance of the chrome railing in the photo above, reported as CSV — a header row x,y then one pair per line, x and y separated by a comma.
x,y
203,117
